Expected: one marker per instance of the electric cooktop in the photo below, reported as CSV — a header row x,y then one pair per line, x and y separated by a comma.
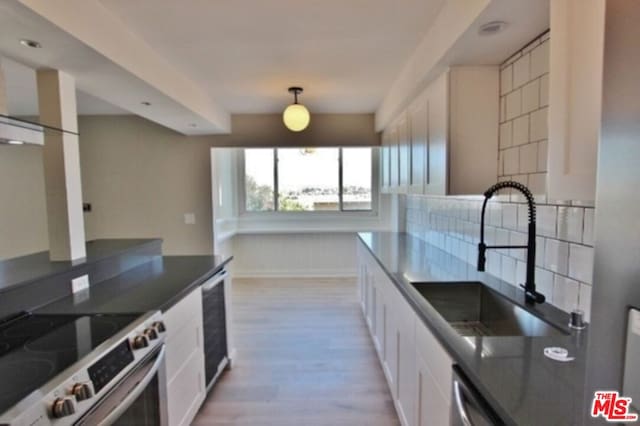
x,y
35,348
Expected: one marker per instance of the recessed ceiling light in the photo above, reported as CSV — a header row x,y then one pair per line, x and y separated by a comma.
x,y
30,43
146,103
14,142
491,28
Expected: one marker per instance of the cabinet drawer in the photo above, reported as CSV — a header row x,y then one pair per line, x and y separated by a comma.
x,y
183,312
182,345
186,391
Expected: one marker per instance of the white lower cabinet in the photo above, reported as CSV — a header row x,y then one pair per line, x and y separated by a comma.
x,y
416,366
184,364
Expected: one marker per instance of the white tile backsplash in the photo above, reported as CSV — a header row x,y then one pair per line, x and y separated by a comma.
x,y
564,252
452,224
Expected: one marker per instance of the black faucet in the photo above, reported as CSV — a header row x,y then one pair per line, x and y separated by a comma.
x,y
530,293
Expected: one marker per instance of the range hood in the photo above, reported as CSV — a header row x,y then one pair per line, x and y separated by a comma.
x,y
16,131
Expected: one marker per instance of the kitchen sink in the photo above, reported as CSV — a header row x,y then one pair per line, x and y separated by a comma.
x,y
473,309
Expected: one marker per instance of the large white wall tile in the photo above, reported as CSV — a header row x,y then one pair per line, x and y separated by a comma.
x,y
529,158
544,283
531,96
506,134
520,130
546,220
521,71
540,60
570,223
542,156
544,90
511,161
565,293
513,104
581,263
587,236
556,256
506,80
538,126
510,216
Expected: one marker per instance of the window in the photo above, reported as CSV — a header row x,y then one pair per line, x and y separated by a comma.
x,y
308,179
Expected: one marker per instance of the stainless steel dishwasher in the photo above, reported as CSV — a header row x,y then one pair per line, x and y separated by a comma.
x,y
468,407
214,327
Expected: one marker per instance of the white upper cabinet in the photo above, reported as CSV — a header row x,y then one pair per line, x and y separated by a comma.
x,y
418,133
575,97
448,136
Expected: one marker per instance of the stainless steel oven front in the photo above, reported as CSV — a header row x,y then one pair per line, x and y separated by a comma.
x,y
138,399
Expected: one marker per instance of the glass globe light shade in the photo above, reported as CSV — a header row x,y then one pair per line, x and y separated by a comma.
x,y
296,117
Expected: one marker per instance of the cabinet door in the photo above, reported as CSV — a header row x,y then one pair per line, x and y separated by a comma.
x,y
432,407
404,152
418,124
392,339
385,163
394,161
438,136
406,363
575,98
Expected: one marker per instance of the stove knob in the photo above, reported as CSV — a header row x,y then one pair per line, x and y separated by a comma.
x,y
140,342
82,391
151,333
63,407
159,326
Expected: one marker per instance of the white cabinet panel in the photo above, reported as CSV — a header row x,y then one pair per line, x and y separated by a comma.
x,y
575,97
432,407
406,363
404,147
184,365
438,136
419,125
186,392
436,356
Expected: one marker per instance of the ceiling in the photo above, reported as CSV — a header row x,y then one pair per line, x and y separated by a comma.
x,y
197,61
345,53
22,94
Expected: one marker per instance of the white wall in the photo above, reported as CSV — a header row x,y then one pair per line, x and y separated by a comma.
x,y
294,255
23,209
141,179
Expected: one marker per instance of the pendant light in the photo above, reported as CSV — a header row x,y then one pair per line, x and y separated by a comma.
x,y
296,116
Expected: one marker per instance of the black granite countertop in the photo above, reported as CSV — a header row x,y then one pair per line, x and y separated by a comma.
x,y
36,267
157,284
512,373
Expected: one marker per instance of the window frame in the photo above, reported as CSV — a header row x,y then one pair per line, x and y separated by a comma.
x,y
242,207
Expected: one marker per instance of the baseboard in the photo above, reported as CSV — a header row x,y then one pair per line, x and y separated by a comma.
x,y
319,273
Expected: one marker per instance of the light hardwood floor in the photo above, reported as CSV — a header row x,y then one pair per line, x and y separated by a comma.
x,y
304,358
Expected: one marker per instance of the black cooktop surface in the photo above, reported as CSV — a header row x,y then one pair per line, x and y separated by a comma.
x,y
36,348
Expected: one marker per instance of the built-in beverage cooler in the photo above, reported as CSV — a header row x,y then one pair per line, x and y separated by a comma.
x,y
214,327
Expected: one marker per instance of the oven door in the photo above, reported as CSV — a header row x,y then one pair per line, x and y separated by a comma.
x,y
138,399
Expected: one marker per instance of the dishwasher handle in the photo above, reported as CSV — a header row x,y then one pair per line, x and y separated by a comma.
x,y
469,407
463,416
215,280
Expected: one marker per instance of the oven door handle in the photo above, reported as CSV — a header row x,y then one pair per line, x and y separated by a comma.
x,y
135,393
215,280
